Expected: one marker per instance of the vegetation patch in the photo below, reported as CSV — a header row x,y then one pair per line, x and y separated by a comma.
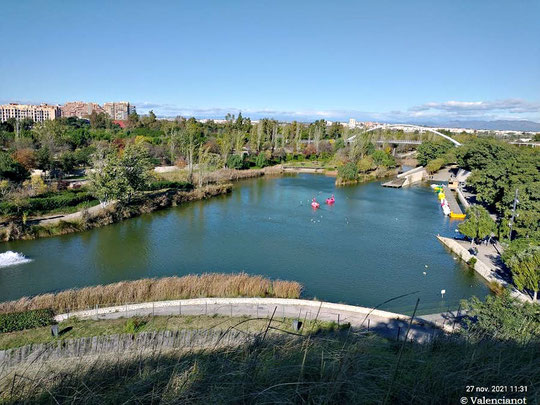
x,y
158,289
15,321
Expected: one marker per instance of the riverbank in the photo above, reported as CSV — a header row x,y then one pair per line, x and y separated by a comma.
x,y
217,183
157,289
377,174
492,273
101,215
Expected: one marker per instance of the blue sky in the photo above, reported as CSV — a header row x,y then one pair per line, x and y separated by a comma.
x,y
383,60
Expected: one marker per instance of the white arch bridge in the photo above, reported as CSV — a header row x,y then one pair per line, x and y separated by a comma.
x,y
400,126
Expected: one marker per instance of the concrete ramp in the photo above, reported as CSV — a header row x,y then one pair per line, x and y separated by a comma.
x,y
409,177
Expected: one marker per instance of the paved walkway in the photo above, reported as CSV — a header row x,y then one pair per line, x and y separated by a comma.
x,y
387,324
489,264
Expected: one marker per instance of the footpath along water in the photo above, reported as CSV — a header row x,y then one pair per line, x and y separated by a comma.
x,y
373,244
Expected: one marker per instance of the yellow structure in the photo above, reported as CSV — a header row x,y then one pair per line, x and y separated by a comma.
x,y
457,216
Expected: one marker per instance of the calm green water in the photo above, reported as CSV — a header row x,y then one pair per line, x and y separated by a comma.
x,y
371,246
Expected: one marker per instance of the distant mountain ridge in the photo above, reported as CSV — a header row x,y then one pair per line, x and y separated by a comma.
x,y
501,125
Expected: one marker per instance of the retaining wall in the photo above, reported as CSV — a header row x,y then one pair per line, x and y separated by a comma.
x,y
480,267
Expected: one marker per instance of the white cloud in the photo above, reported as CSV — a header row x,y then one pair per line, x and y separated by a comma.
x,y
432,111
466,108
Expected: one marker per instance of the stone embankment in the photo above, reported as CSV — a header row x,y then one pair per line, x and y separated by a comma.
x,y
486,270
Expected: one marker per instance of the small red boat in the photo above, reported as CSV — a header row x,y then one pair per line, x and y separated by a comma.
x,y
315,204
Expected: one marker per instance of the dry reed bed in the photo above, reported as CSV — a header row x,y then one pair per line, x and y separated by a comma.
x,y
227,175
158,289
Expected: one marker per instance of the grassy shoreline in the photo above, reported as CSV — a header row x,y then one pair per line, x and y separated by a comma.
x,y
74,328
217,183
157,289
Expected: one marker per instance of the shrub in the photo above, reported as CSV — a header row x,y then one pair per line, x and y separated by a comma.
x,y
12,170
235,162
310,150
472,262
502,318
46,202
381,158
14,321
434,165
134,325
348,171
261,160
365,164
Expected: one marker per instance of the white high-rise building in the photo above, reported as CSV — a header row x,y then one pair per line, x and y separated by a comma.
x,y
38,113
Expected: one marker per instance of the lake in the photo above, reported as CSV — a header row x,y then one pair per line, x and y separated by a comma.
x,y
372,245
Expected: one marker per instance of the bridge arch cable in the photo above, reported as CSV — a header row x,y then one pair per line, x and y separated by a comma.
x,y
422,129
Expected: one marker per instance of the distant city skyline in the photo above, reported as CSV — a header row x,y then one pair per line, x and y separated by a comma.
x,y
415,61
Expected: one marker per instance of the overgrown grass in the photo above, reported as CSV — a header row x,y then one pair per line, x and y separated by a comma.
x,y
74,328
158,289
326,369
47,203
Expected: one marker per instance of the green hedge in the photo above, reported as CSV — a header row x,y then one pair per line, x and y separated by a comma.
x,y
47,202
179,185
26,320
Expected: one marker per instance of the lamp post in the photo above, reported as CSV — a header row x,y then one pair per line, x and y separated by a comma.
x,y
511,223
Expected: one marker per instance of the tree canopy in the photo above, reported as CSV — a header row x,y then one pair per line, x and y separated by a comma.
x,y
120,175
478,224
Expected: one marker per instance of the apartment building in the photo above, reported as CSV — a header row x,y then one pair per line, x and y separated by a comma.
x,y
37,113
119,110
80,109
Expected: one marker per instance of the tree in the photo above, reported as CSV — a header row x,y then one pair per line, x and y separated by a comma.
x,y
120,177
384,159
26,157
335,130
190,139
12,170
226,144
149,121
431,150
478,224
501,317
99,120
522,256
365,164
434,165
348,172
480,152
133,120
496,181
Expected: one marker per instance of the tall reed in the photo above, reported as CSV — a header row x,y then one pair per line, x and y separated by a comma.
x,y
158,289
